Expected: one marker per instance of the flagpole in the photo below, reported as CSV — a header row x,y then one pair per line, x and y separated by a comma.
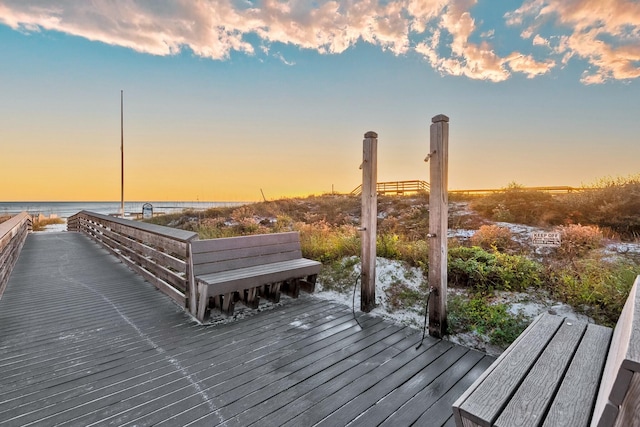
x,y
121,155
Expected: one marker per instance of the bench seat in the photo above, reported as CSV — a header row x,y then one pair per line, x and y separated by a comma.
x,y
247,267
560,372
250,277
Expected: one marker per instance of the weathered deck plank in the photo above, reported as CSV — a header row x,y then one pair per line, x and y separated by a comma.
x,y
85,341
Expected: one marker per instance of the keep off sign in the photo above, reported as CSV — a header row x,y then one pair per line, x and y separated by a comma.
x,y
549,239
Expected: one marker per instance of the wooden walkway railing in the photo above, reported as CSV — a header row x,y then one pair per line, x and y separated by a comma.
x,y
415,186
13,233
160,254
556,189
396,187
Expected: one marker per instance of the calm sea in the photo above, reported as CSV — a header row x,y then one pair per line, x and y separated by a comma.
x,y
66,209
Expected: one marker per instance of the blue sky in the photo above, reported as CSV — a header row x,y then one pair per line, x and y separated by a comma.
x,y
224,98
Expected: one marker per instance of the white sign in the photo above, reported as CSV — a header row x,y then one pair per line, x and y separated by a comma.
x,y
147,211
542,238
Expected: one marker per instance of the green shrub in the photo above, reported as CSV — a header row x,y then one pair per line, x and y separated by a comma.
x,y
484,271
400,296
387,246
478,315
594,286
339,275
415,253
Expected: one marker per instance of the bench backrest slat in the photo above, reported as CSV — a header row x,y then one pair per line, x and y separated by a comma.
x,y
623,361
629,412
216,255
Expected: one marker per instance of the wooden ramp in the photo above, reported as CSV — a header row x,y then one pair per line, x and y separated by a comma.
x,y
85,341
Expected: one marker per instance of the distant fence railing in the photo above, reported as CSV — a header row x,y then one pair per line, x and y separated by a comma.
x,y
396,187
407,187
13,234
159,254
558,189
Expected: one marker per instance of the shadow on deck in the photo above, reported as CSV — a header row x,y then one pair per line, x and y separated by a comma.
x,y
85,341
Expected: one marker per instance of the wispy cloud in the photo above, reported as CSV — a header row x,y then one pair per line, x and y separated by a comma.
x,y
282,59
605,34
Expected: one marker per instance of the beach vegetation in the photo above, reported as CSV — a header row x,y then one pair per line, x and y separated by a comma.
x,y
488,259
40,223
479,316
493,237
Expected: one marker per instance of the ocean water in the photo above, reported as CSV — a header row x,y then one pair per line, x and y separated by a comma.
x,y
67,209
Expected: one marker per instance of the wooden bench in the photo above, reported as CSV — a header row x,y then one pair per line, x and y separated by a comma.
x,y
244,268
562,373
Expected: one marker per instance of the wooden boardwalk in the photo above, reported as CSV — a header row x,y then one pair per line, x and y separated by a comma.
x,y
84,341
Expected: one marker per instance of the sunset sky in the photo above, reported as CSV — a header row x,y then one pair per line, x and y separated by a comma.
x,y
224,98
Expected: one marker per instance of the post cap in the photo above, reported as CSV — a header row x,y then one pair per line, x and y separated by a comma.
x,y
371,134
439,118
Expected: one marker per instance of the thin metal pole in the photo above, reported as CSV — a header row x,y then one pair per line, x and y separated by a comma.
x,y
121,154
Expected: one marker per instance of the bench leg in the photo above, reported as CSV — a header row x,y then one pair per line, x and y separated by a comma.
x,y
262,291
292,288
253,298
216,302
228,303
250,297
273,292
309,285
203,302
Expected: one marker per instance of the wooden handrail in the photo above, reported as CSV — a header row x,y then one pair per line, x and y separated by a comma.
x,y
402,187
13,234
396,187
548,189
162,255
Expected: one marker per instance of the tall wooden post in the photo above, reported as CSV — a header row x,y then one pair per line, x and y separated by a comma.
x,y
438,217
369,217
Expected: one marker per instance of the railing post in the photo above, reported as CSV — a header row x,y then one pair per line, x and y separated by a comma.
x,y
192,288
438,216
368,221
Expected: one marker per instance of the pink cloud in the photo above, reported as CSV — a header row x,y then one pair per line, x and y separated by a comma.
x,y
605,33
526,64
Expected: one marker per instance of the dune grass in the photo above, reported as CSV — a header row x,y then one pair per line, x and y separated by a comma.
x,y
579,273
41,224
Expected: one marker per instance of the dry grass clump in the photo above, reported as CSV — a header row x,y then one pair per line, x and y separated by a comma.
x,y
4,218
578,240
40,224
321,241
493,237
518,205
612,204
